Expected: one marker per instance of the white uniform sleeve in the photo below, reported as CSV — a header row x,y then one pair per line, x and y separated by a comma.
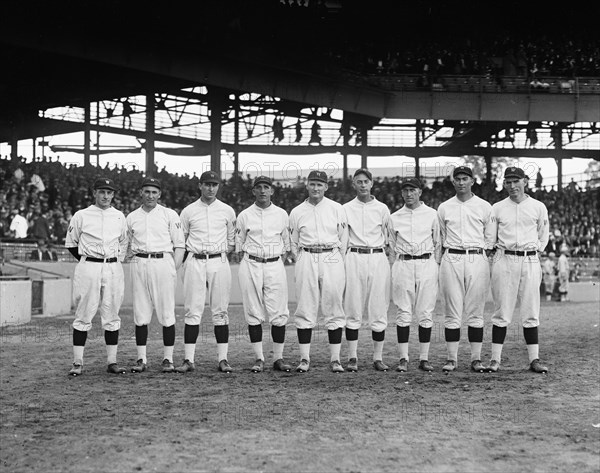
x,y
442,225
343,229
543,228
185,224
123,241
294,236
240,232
175,230
285,233
491,230
74,231
488,238
231,231
437,241
388,233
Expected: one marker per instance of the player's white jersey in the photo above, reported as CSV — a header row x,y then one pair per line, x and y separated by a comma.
x,y
518,227
462,224
263,232
415,232
157,231
368,223
98,233
208,228
321,225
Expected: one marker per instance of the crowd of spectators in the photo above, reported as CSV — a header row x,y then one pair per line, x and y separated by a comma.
x,y
44,195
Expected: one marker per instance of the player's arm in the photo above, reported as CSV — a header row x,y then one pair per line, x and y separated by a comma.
x,y
343,233
123,242
491,233
389,235
177,238
231,232
294,236
240,235
285,237
437,240
543,228
442,225
129,251
72,237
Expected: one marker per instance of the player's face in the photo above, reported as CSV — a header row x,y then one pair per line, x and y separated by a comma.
x,y
150,196
262,194
362,185
316,189
209,191
462,184
515,187
103,197
411,195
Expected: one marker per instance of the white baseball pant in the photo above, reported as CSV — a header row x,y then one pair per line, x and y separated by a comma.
x,y
206,280
464,285
367,290
516,281
97,286
414,290
264,291
320,276
153,283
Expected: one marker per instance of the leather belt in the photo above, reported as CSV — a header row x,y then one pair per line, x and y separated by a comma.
x,y
366,251
101,260
423,256
520,253
150,255
207,256
317,250
474,251
262,260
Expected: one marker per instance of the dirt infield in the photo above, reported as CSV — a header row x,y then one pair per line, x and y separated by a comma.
x,y
513,420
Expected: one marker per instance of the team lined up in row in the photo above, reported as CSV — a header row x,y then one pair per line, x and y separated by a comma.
x,y
342,255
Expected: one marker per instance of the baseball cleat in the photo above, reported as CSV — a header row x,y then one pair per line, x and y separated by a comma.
x,y
225,367
258,366
352,365
167,366
303,367
76,369
115,369
449,366
280,365
139,366
477,365
537,367
380,366
402,366
186,366
336,366
424,365
493,367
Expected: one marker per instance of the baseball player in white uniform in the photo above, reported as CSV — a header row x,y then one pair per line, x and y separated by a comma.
x,y
464,271
549,274
263,238
156,247
563,272
97,238
519,231
367,269
319,237
417,247
209,231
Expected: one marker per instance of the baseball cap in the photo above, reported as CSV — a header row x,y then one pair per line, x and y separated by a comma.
x,y
210,176
262,180
104,183
410,182
462,170
151,181
513,171
317,176
364,171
